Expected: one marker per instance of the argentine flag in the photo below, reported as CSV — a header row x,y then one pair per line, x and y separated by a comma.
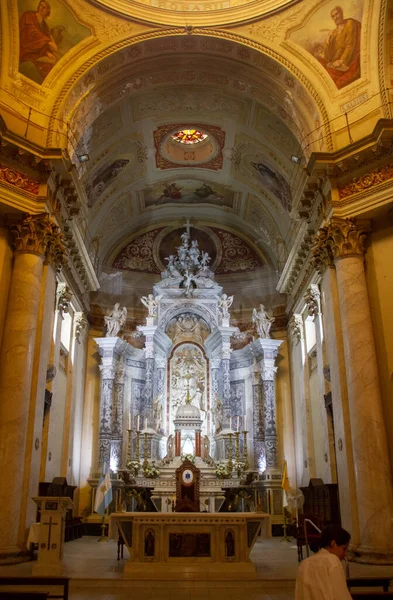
x,y
104,492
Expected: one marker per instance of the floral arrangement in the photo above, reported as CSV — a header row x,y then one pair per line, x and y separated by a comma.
x,y
222,471
134,466
238,467
189,457
151,471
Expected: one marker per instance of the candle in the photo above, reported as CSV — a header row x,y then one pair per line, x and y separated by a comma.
x,y
237,424
230,423
245,423
129,422
145,423
138,423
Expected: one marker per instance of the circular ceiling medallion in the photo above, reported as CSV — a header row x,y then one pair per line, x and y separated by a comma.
x,y
189,136
193,13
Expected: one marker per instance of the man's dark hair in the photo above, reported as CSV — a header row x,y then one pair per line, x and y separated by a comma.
x,y
336,533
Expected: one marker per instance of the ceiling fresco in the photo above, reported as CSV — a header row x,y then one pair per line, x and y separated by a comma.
x,y
187,191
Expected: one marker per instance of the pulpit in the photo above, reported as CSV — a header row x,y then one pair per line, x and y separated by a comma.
x,y
51,539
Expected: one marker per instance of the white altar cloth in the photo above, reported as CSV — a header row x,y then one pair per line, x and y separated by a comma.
x,y
193,545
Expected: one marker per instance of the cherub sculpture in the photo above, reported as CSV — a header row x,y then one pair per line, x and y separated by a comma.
x,y
150,304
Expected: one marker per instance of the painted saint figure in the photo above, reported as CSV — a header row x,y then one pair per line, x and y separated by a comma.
x,y
340,55
37,44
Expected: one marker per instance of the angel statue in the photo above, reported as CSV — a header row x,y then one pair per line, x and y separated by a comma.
x,y
263,321
150,304
115,320
225,303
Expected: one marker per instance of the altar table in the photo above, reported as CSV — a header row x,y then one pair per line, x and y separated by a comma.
x,y
190,545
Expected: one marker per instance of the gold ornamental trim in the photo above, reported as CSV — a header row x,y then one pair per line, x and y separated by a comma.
x,y
38,234
366,182
340,238
195,13
19,180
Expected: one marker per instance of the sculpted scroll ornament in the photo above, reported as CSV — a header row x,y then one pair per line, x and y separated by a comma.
x,y
296,327
81,324
321,252
64,296
312,299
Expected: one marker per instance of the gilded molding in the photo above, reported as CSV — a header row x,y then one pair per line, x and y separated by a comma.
x,y
359,184
19,180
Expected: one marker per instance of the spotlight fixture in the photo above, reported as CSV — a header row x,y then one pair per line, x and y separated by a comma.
x,y
295,159
83,158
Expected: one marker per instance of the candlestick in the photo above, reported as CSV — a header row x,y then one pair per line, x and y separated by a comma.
x,y
237,446
145,461
138,446
245,452
230,454
138,423
129,451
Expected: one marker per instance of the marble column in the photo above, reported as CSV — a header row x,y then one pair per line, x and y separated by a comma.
x,y
117,418
327,463
267,350
346,239
226,380
34,238
111,350
323,261
258,425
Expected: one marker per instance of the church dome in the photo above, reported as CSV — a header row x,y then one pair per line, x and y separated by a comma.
x,y
188,412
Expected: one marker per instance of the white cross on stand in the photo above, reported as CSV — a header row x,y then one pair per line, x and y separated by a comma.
x,y
187,226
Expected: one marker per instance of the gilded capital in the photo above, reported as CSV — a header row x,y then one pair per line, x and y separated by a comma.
x,y
347,238
37,234
30,234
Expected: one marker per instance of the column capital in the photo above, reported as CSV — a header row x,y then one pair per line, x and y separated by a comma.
x,y
38,234
108,371
268,372
347,237
312,298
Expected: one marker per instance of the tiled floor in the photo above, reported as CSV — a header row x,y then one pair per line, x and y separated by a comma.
x,y
97,575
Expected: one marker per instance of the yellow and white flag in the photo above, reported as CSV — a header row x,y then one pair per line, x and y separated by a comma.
x,y
285,485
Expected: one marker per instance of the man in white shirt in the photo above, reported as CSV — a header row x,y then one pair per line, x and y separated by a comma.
x,y
321,577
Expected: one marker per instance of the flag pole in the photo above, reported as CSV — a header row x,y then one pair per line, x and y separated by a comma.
x,y
285,487
103,538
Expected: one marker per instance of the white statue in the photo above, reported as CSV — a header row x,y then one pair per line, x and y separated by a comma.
x,y
263,321
218,412
194,252
150,304
115,320
225,303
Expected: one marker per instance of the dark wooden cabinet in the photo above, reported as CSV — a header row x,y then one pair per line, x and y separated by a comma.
x,y
322,500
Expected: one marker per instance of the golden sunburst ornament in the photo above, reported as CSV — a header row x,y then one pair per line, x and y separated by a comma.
x,y
189,136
